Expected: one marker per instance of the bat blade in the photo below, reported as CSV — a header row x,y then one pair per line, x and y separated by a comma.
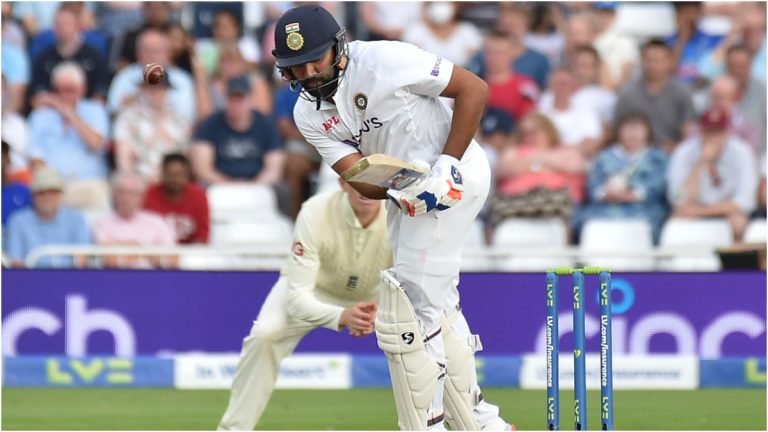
x,y
384,171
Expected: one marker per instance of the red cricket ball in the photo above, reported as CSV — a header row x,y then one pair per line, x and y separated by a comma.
x,y
153,73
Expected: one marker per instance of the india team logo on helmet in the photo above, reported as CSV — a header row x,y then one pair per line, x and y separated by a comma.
x,y
294,39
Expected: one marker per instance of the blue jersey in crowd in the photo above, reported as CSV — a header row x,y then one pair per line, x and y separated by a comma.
x,y
239,155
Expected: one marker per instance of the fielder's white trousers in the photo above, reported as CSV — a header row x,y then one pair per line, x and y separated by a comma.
x,y
427,253
273,337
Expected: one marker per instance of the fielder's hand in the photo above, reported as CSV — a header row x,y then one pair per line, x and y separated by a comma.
x,y
359,319
441,190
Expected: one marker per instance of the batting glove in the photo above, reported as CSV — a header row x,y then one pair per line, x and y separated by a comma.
x,y
441,190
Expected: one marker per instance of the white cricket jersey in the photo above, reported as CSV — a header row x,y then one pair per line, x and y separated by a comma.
x,y
335,262
387,102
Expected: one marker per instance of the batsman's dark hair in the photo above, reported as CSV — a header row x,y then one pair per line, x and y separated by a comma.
x,y
170,158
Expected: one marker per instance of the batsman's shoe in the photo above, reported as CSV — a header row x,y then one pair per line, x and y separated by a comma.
x,y
441,190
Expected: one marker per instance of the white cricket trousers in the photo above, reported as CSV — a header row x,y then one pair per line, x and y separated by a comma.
x,y
273,337
427,253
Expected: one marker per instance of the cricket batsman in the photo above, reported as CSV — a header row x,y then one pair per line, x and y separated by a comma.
x,y
330,280
363,98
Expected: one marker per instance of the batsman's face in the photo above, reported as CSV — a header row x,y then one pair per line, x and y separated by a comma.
x,y
314,74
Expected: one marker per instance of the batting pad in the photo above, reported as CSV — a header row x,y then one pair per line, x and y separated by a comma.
x,y
460,397
414,374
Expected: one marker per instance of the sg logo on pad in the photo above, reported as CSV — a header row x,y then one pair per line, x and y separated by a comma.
x,y
408,337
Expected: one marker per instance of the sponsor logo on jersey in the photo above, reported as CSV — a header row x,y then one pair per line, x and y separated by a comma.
x,y
436,67
330,123
371,123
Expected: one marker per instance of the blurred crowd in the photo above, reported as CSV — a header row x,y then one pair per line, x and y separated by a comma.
x,y
586,117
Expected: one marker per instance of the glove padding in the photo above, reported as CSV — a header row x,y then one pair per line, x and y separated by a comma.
x,y
441,190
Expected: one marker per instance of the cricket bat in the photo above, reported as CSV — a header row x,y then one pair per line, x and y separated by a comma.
x,y
384,171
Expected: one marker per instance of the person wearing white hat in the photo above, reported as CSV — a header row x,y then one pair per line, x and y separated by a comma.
x,y
47,222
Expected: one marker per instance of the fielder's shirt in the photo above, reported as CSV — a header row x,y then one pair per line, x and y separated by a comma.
x,y
387,102
334,262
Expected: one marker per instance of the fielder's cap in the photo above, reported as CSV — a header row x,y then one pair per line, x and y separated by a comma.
x,y
46,178
239,85
497,120
303,34
715,119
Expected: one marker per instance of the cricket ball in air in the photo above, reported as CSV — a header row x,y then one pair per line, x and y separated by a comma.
x,y
153,73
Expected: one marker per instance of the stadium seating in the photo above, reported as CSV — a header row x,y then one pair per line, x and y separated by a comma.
x,y
615,238
756,231
233,202
708,234
528,234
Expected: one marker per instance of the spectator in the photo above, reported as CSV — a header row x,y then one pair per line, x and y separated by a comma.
x,y
147,129
45,223
114,19
761,202
745,125
627,180
531,63
156,16
581,31
618,51
388,20
226,31
439,31
513,93
14,132
36,16
713,175
660,97
182,48
182,203
15,68
496,136
69,47
69,133
590,91
85,25
512,21
237,144
231,65
131,226
577,125
690,44
750,94
539,177
545,31
747,33
15,195
301,158
13,31
154,46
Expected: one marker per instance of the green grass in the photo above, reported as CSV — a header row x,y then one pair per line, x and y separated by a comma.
x,y
363,409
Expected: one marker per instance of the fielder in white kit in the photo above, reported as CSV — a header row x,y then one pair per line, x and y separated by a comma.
x,y
363,98
330,280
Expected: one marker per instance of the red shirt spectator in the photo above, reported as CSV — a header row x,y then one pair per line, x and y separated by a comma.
x,y
515,94
182,203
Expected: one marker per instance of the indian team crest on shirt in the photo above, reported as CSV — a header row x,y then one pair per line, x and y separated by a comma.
x,y
361,101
